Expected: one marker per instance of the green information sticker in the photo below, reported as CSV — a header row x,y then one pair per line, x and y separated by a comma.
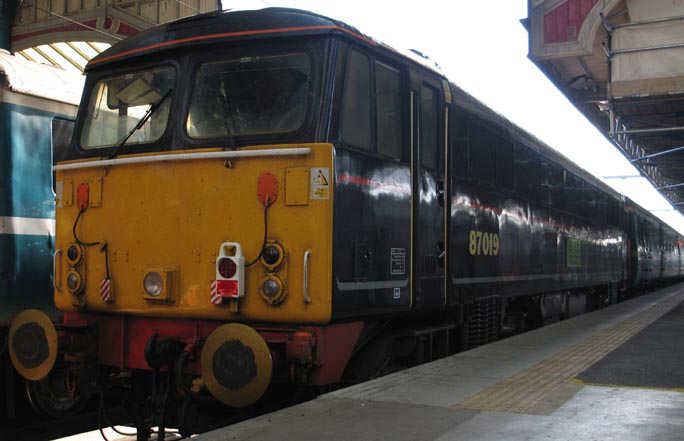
x,y
573,253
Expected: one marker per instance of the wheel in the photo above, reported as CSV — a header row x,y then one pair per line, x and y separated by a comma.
x,y
55,395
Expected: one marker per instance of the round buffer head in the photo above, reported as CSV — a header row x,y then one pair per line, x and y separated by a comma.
x,y
33,344
236,365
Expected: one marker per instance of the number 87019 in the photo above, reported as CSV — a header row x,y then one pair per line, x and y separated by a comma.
x,y
482,243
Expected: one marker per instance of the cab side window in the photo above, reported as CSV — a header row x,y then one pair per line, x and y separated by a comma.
x,y
356,103
371,115
429,126
388,99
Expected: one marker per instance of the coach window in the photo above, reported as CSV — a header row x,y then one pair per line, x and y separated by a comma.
x,y
429,126
356,103
388,110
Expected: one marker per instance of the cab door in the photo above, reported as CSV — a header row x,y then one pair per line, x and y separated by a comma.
x,y
428,192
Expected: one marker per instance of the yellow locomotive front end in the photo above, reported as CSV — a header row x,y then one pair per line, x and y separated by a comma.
x,y
205,252
198,235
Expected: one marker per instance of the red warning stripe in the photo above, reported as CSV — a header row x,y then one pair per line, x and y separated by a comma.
x,y
358,180
106,290
214,297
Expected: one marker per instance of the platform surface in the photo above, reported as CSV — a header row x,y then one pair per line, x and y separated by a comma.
x,y
522,388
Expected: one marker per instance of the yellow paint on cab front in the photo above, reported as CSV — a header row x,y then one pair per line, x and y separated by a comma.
x,y
174,215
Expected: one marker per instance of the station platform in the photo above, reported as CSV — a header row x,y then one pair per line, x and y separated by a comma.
x,y
616,373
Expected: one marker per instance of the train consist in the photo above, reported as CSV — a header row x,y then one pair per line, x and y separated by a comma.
x,y
38,107
270,197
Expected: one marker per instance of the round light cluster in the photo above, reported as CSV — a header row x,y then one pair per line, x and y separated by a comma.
x,y
74,282
74,254
272,289
273,256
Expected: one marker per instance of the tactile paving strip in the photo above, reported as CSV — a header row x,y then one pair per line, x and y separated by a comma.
x,y
521,392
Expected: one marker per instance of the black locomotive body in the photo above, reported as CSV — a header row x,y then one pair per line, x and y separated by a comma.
x,y
491,224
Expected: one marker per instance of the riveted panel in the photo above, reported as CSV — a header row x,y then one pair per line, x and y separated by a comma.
x,y
96,192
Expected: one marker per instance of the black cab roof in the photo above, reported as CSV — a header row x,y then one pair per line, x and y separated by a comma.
x,y
225,25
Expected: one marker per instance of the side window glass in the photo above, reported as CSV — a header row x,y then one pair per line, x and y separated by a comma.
x,y
613,214
503,162
481,145
460,134
388,105
356,103
429,126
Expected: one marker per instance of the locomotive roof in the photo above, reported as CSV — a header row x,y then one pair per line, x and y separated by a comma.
x,y
222,25
40,80
216,26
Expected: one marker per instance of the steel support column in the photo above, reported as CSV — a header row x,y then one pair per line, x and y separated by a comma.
x,y
8,9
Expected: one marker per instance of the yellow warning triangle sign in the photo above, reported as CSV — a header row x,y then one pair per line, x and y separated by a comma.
x,y
319,179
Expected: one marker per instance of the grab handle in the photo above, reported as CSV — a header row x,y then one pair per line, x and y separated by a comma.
x,y
307,254
58,287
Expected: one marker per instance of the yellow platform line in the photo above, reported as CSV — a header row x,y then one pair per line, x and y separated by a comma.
x,y
522,391
624,386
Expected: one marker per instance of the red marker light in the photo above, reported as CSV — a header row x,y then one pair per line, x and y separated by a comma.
x,y
82,196
227,268
230,274
267,189
228,288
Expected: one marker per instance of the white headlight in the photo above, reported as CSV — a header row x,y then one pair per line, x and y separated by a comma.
x,y
154,284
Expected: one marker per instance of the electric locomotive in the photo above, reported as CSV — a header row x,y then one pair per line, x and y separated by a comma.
x,y
266,197
37,111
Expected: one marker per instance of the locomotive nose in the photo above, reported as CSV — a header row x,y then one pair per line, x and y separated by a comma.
x,y
236,365
33,344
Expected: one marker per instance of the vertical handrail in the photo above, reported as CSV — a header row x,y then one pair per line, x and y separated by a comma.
x,y
54,270
307,298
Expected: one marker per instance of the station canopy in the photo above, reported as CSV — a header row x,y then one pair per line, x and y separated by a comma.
x,y
70,55
68,33
621,63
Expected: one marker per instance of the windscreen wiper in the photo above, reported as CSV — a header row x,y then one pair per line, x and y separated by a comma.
x,y
227,114
153,108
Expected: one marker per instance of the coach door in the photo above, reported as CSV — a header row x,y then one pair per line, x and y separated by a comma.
x,y
428,201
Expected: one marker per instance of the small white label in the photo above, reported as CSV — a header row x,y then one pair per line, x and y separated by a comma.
x,y
397,261
320,183
59,191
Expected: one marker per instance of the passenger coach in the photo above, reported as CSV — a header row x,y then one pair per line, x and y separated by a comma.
x,y
37,112
267,197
